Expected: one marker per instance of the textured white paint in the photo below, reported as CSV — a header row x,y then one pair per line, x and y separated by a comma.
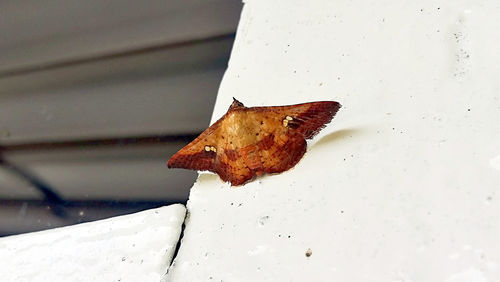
x,y
400,186
495,162
137,247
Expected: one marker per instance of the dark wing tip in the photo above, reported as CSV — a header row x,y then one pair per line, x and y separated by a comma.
x,y
196,161
172,162
316,117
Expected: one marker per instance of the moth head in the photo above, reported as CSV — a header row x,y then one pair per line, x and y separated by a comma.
x,y
236,104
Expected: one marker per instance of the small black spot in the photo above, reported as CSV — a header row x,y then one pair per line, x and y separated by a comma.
x,y
308,252
257,134
468,110
222,136
293,124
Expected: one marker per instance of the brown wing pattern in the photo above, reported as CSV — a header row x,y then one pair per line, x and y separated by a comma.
x,y
194,155
252,141
284,154
197,161
309,118
231,167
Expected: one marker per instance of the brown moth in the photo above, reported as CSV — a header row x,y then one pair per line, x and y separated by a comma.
x,y
248,142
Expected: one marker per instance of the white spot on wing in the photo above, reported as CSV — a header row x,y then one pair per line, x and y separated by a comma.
x,y
286,120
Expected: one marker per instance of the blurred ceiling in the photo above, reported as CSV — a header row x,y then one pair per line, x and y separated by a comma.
x,y
95,96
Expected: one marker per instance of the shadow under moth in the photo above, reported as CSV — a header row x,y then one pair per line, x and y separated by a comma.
x,y
248,142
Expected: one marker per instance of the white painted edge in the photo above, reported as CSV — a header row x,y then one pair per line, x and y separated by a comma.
x,y
135,247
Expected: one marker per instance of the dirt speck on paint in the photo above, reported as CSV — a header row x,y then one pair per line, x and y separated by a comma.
x,y
309,253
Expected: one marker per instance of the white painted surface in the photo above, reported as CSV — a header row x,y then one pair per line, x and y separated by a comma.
x,y
135,247
402,186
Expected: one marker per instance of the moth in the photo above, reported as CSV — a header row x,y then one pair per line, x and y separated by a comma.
x,y
250,141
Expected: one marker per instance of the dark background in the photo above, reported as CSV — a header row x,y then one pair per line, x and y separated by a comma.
x,y
95,96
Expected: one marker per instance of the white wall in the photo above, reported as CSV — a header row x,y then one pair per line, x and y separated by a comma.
x,y
136,247
402,186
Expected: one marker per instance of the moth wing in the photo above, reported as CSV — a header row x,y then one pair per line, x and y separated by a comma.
x,y
231,167
194,155
284,153
285,144
234,173
308,118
